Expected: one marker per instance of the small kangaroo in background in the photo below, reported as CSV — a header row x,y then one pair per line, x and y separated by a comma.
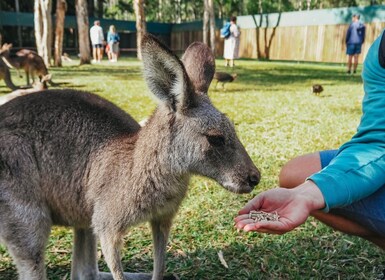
x,y
72,158
28,60
36,86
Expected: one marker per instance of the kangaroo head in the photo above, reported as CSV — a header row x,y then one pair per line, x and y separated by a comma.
x,y
200,139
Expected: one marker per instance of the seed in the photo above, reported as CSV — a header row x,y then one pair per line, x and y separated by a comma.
x,y
259,216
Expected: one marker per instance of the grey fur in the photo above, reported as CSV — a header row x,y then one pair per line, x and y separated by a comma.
x,y
72,158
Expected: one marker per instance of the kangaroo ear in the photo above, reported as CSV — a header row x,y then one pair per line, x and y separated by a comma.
x,y
199,62
165,75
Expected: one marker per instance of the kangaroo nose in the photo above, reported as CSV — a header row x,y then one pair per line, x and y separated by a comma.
x,y
254,179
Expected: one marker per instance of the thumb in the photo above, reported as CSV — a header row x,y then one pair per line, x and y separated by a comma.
x,y
253,204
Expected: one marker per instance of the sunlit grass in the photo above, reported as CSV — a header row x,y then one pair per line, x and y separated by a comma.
x,y
277,118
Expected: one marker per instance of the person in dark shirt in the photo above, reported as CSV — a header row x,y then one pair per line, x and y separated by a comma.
x,y
355,37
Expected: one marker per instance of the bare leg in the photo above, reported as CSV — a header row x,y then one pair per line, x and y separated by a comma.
x,y
94,50
231,62
355,62
84,259
296,171
349,63
160,232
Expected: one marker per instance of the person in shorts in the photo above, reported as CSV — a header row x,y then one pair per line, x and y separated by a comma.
x,y
342,188
97,39
355,37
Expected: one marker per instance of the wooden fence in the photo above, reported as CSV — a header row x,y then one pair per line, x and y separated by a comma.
x,y
320,43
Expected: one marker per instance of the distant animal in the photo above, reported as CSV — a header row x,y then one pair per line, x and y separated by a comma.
x,y
28,60
317,89
223,78
36,86
72,158
66,57
6,75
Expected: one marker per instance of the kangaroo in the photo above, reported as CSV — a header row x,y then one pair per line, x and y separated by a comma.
x,y
6,76
72,158
30,61
36,86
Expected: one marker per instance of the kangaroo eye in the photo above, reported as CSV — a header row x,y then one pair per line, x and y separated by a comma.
x,y
216,140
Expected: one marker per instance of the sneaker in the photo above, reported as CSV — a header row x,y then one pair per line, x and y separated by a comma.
x,y
348,72
354,72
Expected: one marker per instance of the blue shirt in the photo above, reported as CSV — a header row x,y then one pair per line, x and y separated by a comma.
x,y
358,170
355,33
113,37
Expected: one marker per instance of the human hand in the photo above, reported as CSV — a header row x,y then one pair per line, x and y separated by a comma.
x,y
292,205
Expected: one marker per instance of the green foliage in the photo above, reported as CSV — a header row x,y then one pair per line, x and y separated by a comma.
x,y
122,10
277,118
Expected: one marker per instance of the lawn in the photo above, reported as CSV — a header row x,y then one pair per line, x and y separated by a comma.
x,y
277,118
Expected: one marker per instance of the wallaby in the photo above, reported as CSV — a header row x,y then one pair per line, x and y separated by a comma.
x,y
6,76
36,86
30,61
74,159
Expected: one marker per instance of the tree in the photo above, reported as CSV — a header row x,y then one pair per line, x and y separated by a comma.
x,y
61,6
43,29
140,25
209,24
83,31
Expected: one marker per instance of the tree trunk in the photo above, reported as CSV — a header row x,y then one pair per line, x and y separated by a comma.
x,y
206,18
19,37
43,29
61,7
212,25
83,31
140,25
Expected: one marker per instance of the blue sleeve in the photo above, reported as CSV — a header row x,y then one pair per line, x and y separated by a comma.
x,y
358,170
348,33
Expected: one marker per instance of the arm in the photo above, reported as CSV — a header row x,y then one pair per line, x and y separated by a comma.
x,y
348,34
359,168
235,30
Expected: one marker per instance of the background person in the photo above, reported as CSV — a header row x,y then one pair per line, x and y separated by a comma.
x,y
345,188
97,38
355,37
113,42
231,48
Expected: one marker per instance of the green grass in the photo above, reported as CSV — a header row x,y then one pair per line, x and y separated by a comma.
x,y
277,118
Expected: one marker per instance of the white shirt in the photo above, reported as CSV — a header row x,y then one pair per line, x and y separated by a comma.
x,y
96,33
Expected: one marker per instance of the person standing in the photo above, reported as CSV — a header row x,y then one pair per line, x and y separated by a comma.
x,y
355,37
231,50
97,38
113,43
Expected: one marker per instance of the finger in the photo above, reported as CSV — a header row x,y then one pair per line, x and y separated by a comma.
x,y
241,217
269,226
242,223
255,227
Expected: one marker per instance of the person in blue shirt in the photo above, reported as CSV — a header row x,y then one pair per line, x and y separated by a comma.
x,y
355,37
113,43
343,188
